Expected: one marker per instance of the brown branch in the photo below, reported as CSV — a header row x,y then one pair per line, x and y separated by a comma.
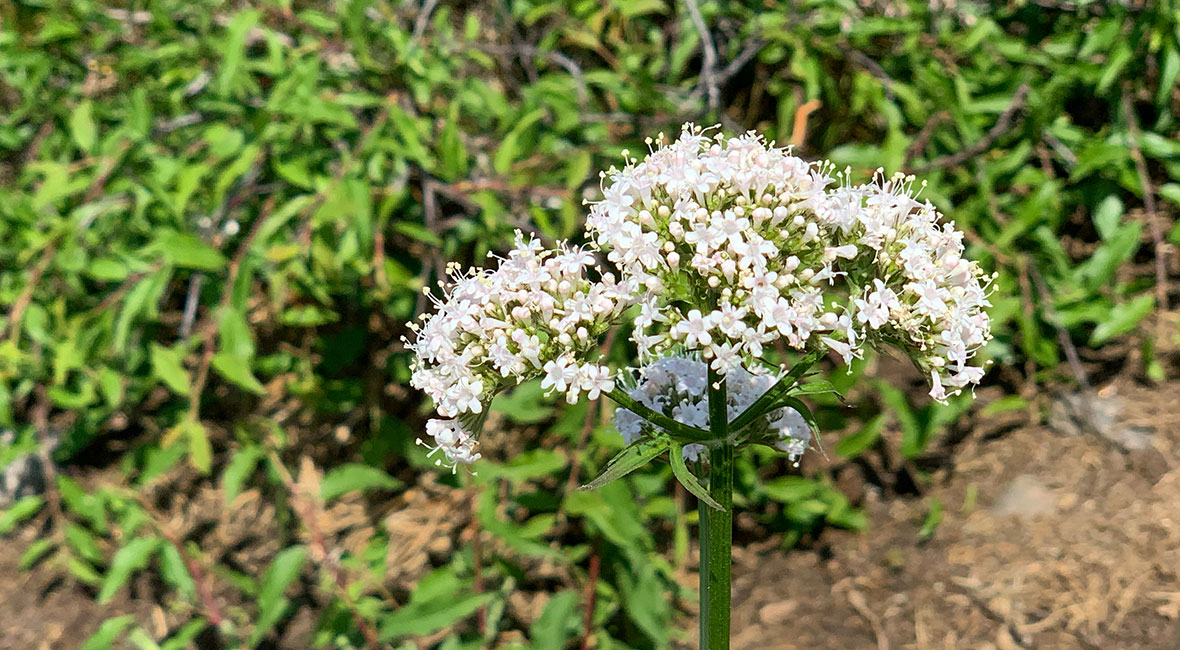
x,y
202,579
38,140
320,551
799,128
709,53
1003,125
968,589
12,324
40,421
923,137
1153,217
423,20
861,605
209,331
591,597
525,49
1085,406
873,68
1071,351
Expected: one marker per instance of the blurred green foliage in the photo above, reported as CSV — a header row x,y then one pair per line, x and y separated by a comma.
x,y
216,216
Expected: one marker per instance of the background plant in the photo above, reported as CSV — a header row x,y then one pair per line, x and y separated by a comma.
x,y
214,217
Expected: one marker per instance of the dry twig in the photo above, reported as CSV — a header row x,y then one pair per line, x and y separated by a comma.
x,y
305,509
923,137
799,128
423,20
1153,217
591,598
211,328
861,605
968,589
709,52
1002,125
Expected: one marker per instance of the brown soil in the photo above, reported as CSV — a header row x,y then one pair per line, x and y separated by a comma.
x,y
39,612
1047,541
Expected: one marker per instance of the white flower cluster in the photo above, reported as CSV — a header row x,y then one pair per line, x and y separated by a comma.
x,y
536,314
677,387
738,244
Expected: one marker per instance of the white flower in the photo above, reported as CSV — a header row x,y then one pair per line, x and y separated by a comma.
x,y
695,329
744,226
456,444
730,245
596,380
558,374
536,313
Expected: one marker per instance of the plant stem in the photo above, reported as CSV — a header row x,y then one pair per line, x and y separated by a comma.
x,y
716,526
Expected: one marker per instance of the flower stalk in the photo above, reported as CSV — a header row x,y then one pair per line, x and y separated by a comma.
x,y
716,527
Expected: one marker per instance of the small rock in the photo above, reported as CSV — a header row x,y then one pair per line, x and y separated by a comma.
x,y
23,476
1072,414
1025,496
776,613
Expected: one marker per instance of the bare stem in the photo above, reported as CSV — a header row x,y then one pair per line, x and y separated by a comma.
x,y
716,526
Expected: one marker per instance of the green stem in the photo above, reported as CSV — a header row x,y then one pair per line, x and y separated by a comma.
x,y
716,526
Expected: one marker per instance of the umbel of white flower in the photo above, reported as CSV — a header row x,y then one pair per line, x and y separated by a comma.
x,y
537,314
728,246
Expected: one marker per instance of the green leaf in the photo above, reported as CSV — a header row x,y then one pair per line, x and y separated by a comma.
x,y
814,387
168,366
83,571
83,542
630,459
512,144
772,398
82,127
789,489
526,404
237,370
1123,318
239,468
853,445
131,558
351,477
525,466
188,251
557,623
35,552
200,451
1107,215
108,633
279,575
175,573
913,435
234,50
185,636
21,510
421,619
933,519
686,478
659,419
141,640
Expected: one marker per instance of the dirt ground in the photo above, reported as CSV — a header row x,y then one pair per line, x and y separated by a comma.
x,y
1052,536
